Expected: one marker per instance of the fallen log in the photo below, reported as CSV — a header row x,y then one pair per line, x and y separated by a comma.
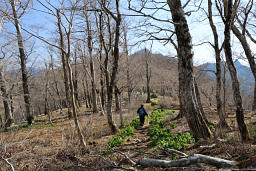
x,y
193,159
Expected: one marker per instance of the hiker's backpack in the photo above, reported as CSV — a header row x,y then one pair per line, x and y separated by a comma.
x,y
141,112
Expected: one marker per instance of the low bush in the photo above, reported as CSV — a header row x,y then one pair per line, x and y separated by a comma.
x,y
135,123
126,132
118,140
115,141
162,136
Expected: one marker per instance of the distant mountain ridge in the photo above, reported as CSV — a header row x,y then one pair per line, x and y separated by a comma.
x,y
244,73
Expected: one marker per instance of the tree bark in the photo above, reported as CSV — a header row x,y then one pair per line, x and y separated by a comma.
x,y
193,159
79,131
224,88
128,75
56,85
249,56
192,112
8,117
70,79
85,95
102,87
222,122
46,102
64,66
75,82
148,75
89,44
111,82
200,103
22,55
117,99
245,136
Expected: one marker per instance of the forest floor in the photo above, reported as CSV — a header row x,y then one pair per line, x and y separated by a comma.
x,y
43,146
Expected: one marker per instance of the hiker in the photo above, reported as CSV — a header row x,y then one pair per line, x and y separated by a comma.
x,y
142,113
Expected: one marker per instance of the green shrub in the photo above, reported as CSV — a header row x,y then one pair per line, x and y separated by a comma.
x,y
135,123
173,125
115,141
127,131
154,100
211,127
163,137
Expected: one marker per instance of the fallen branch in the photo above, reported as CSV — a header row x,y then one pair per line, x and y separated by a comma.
x,y
102,168
128,158
174,151
193,159
183,155
7,161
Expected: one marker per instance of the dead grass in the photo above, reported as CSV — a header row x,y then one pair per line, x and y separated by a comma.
x,y
46,147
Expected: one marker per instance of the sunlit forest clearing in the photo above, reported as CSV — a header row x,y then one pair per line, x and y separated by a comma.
x,y
127,85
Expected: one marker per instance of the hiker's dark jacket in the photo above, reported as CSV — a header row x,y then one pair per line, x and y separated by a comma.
x,y
144,111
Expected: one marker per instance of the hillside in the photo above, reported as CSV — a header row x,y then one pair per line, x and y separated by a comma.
x,y
43,146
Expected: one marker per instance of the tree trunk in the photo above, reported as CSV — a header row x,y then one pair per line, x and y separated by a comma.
x,y
181,112
224,89
200,103
249,56
102,87
89,44
222,122
8,117
235,84
85,95
111,82
75,82
79,131
71,86
86,87
11,98
117,99
22,55
192,112
128,75
64,63
102,92
148,76
46,103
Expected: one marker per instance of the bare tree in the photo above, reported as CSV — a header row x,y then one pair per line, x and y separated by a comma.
x,y
64,64
70,75
99,21
241,36
217,50
75,80
8,116
65,51
228,8
148,73
23,59
90,49
111,78
191,109
46,98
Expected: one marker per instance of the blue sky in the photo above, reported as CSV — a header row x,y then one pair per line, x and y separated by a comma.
x,y
43,24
